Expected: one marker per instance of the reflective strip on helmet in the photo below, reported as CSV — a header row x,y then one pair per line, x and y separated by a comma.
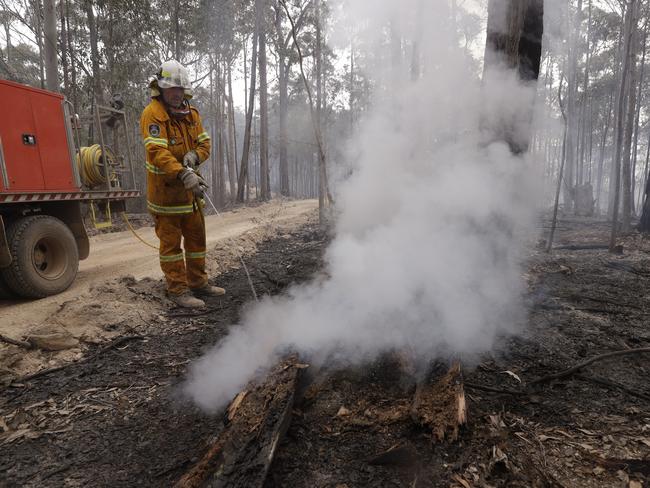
x,y
170,210
153,169
155,141
195,255
171,259
203,136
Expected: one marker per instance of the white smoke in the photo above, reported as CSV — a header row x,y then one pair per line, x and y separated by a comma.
x,y
427,245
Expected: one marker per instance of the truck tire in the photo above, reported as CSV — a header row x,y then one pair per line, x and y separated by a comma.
x,y
45,257
5,291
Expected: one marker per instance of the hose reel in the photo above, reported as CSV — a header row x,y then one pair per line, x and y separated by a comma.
x,y
93,165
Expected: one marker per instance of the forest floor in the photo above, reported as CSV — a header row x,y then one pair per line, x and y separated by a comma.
x,y
114,417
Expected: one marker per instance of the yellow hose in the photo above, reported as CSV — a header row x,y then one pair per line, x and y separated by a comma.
x,y
126,219
89,162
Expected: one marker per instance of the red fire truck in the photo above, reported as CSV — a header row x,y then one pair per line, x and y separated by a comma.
x,y
48,180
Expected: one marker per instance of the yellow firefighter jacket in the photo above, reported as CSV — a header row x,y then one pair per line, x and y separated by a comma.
x,y
166,141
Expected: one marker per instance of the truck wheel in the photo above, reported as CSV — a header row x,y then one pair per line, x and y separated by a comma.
x,y
5,291
45,257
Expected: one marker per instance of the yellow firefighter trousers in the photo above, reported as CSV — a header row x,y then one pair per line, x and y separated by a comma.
x,y
182,271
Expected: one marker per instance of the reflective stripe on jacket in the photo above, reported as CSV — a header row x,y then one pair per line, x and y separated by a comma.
x,y
166,141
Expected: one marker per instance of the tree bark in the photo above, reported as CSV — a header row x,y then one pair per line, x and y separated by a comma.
x,y
94,50
7,26
232,135
243,172
177,29
71,51
50,42
626,167
514,40
265,175
38,31
284,105
629,25
635,144
64,48
220,139
601,158
319,101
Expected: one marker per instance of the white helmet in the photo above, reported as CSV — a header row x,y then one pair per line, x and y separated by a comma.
x,y
171,74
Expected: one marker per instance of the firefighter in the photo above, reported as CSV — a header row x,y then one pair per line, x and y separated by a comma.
x,y
176,144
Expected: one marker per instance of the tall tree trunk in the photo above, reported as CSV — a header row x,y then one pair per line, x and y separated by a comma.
x,y
644,223
572,112
7,26
514,40
319,96
635,144
221,153
94,50
265,175
627,55
214,94
73,64
284,105
243,172
39,40
627,147
221,146
64,48
601,158
585,98
232,136
176,23
50,44
352,85
612,167
642,189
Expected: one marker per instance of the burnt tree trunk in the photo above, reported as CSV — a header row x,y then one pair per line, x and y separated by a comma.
x,y
625,73
514,40
243,172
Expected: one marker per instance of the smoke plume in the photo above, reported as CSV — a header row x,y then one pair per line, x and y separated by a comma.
x,y
428,237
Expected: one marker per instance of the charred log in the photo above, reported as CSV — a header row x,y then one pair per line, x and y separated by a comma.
x,y
256,422
440,406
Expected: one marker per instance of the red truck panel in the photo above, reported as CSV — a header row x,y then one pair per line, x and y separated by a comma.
x,y
34,141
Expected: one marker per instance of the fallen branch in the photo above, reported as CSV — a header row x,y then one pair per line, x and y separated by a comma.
x,y
117,342
272,279
641,466
626,267
612,385
15,342
582,247
601,300
578,367
191,314
45,372
398,455
491,389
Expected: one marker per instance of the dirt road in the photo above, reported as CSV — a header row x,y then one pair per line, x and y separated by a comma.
x,y
121,254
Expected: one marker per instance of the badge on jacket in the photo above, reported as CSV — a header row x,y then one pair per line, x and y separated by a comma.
x,y
154,130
